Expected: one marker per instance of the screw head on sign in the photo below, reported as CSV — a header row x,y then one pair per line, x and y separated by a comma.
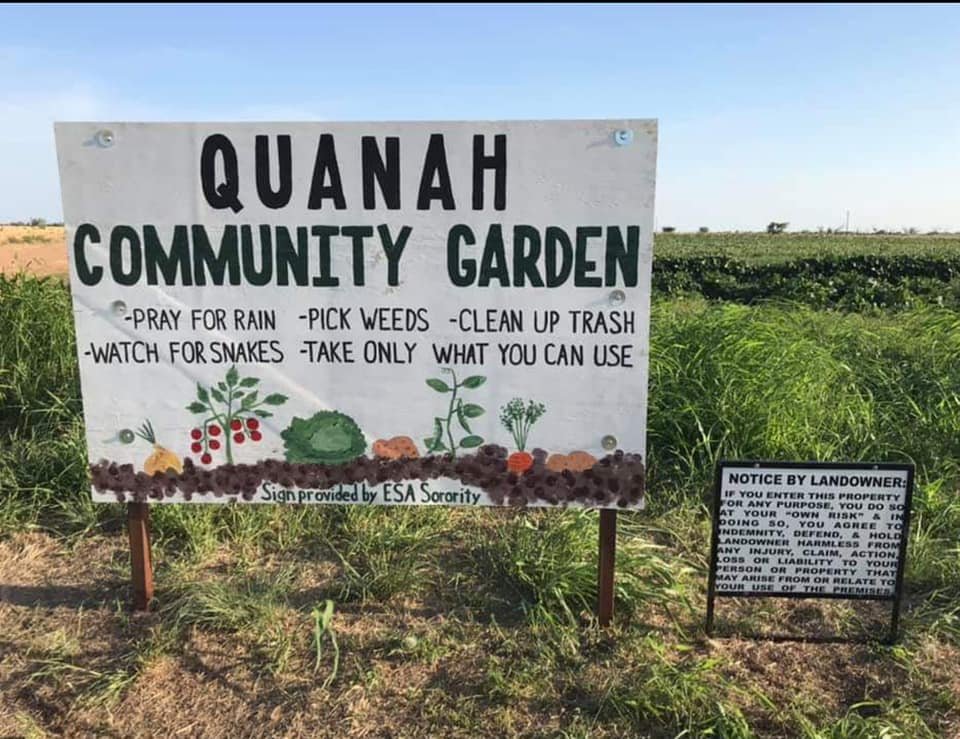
x,y
126,436
118,307
609,442
623,137
618,297
105,138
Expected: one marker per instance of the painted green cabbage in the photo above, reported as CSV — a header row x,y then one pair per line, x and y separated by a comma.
x,y
327,437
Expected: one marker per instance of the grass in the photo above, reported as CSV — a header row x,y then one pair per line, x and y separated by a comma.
x,y
788,382
457,622
28,238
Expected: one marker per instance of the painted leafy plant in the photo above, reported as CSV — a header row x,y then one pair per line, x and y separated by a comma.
x,y
231,411
327,437
442,439
518,417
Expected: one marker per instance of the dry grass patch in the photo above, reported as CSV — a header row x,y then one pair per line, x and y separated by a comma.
x,y
41,251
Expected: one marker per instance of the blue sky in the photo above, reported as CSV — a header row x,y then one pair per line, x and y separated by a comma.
x,y
785,113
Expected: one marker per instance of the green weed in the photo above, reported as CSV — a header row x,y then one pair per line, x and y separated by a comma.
x,y
323,627
385,552
546,564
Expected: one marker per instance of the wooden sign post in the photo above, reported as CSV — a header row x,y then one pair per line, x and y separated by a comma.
x,y
141,561
608,551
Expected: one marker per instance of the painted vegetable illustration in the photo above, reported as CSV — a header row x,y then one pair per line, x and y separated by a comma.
x,y
327,437
456,407
399,447
232,411
518,418
162,458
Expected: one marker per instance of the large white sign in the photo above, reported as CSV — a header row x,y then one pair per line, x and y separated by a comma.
x,y
811,531
370,313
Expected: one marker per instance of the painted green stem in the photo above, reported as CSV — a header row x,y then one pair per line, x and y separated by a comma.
x,y
453,403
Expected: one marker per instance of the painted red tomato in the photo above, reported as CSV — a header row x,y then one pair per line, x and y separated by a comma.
x,y
213,430
196,434
256,435
214,444
253,424
236,424
206,459
238,438
196,447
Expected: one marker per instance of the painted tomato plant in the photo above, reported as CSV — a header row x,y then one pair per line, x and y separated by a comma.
x,y
232,411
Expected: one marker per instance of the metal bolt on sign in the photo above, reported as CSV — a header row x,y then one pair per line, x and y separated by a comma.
x,y
617,297
105,138
623,137
118,307
609,442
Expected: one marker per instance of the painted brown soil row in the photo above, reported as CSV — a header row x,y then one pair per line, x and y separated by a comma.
x,y
617,478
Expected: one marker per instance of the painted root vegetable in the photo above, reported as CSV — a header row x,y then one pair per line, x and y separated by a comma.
x,y
517,418
232,411
399,447
162,460
455,408
574,461
327,437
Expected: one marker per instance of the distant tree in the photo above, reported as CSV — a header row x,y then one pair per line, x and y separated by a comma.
x,y
703,229
39,222
775,227
669,229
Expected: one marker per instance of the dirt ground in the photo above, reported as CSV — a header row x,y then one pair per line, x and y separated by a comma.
x,y
74,661
40,251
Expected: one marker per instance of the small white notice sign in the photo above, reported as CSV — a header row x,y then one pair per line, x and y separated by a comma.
x,y
815,530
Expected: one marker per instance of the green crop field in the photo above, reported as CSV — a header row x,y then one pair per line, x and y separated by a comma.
x,y
453,622
853,273
766,248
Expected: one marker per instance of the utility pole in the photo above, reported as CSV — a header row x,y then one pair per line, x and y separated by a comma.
x,y
846,227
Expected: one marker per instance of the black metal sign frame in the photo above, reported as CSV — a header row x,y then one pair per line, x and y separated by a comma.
x,y
895,598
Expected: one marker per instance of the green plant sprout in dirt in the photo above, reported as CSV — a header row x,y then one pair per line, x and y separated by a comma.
x,y
462,411
235,416
518,419
323,624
